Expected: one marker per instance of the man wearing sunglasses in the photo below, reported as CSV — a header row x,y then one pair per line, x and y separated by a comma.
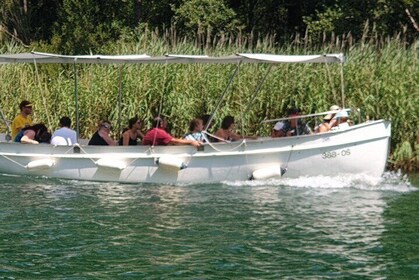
x,y
23,119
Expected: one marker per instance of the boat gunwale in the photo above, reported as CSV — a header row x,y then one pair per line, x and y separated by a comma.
x,y
189,151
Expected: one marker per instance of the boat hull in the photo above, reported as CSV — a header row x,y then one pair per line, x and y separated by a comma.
x,y
360,149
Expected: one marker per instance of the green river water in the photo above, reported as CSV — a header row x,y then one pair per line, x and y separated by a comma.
x,y
307,228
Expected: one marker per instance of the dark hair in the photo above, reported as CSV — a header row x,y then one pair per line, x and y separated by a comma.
x,y
205,118
44,137
24,103
103,122
39,127
132,121
65,122
158,120
227,122
293,111
194,123
40,132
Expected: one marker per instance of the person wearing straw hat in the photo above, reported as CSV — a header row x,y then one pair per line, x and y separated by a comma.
x,y
327,125
23,119
340,120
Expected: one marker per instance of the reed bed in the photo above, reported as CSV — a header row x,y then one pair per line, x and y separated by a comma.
x,y
381,80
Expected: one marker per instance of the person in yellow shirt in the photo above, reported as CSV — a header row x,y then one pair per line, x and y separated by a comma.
x,y
23,119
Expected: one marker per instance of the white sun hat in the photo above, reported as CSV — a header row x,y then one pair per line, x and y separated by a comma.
x,y
278,126
328,117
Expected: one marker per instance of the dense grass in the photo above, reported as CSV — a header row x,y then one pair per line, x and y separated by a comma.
x,y
381,79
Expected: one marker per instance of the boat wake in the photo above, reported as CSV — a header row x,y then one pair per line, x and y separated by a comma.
x,y
390,181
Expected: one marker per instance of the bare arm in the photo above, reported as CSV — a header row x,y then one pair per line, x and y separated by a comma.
x,y
177,141
277,133
220,134
324,127
237,137
125,138
28,138
107,138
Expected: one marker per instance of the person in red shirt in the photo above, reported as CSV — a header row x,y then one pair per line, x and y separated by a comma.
x,y
158,135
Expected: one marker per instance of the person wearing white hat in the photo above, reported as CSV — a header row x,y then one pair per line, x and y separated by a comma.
x,y
327,124
277,128
340,120
328,117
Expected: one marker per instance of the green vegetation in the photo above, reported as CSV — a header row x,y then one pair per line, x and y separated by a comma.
x,y
84,26
381,79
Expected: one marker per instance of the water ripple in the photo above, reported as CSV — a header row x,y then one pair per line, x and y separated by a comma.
x,y
328,228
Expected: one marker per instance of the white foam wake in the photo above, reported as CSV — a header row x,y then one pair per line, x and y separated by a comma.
x,y
390,181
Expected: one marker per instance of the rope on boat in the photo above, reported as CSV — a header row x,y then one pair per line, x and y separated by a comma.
x,y
206,133
70,149
21,165
234,148
288,160
81,149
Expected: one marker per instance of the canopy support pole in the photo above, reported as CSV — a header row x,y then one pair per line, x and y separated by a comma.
x,y
44,102
342,85
76,97
6,122
222,96
259,86
120,101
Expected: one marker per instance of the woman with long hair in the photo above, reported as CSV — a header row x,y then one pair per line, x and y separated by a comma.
x,y
35,134
132,134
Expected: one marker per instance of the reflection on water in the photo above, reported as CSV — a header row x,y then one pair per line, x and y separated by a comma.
x,y
315,227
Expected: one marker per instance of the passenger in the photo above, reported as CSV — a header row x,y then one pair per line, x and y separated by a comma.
x,y
226,132
276,131
158,135
23,119
294,126
131,135
195,131
205,119
45,138
340,120
34,134
102,136
64,136
326,125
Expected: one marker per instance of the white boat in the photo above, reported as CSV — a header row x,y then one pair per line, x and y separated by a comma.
x,y
358,149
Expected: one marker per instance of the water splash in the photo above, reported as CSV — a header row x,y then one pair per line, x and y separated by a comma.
x,y
390,181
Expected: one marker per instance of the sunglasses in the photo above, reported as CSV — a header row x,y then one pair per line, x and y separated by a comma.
x,y
107,126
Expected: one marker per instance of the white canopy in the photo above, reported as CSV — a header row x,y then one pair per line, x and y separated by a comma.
x,y
36,57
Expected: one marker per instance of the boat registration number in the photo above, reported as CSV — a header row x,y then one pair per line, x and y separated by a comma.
x,y
334,154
